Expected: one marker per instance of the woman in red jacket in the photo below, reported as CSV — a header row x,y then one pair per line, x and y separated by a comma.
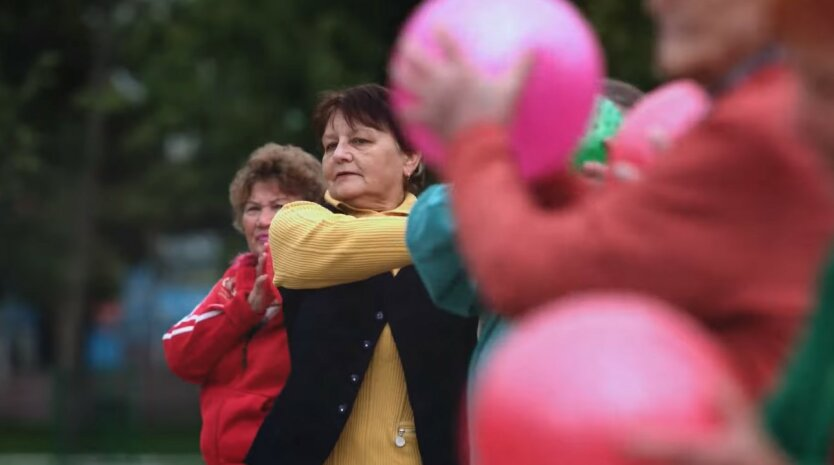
x,y
732,224
234,343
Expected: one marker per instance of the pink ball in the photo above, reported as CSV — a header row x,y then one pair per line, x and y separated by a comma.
x,y
668,113
556,101
572,383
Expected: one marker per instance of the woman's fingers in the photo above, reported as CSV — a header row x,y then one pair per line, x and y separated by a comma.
x,y
256,297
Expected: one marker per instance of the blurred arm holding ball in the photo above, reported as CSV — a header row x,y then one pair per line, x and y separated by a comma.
x,y
799,415
731,224
797,425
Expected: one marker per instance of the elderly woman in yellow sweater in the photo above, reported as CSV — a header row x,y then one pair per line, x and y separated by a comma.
x,y
377,370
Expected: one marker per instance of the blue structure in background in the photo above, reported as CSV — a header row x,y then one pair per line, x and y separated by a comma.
x,y
19,337
105,349
157,294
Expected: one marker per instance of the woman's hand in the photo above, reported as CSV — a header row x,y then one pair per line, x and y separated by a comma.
x,y
742,441
449,93
259,298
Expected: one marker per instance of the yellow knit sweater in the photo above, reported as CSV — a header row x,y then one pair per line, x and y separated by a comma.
x,y
313,247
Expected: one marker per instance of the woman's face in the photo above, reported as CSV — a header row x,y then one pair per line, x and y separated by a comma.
x,y
703,39
264,202
365,167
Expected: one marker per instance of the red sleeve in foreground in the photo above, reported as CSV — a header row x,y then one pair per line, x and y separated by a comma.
x,y
684,217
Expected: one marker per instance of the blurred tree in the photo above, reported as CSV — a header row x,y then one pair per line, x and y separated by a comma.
x,y
216,79
123,119
42,67
625,32
202,83
186,90
47,176
193,86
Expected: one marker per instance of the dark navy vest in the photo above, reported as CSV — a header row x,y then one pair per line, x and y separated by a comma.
x,y
332,334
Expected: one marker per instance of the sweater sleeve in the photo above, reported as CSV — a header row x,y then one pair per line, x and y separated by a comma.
x,y
195,344
430,236
313,247
524,254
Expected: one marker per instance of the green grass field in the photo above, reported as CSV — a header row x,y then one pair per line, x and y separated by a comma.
x,y
100,459
29,440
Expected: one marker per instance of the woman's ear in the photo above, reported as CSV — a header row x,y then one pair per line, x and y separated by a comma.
x,y
412,163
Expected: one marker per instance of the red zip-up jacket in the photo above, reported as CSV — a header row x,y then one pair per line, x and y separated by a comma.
x,y
240,359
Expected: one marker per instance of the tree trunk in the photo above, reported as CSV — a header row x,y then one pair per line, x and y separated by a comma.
x,y
69,388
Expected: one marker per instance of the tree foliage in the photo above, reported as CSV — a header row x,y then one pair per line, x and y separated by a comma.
x,y
191,88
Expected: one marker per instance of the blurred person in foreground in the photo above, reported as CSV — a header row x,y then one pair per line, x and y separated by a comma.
x,y
234,344
798,419
378,369
800,415
731,225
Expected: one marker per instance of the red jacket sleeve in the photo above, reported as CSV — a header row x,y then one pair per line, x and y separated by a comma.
x,y
196,343
690,232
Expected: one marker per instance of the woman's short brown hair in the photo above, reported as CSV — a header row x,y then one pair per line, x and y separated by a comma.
x,y
369,105
296,171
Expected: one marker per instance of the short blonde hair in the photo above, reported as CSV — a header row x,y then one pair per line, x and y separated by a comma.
x,y
296,171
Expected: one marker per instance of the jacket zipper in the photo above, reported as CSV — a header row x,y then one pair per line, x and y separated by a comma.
x,y
246,340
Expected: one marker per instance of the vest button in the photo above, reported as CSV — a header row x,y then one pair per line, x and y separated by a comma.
x,y
354,379
380,316
366,344
342,408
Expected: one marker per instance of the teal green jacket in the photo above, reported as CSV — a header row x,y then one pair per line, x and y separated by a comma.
x,y
800,414
430,237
